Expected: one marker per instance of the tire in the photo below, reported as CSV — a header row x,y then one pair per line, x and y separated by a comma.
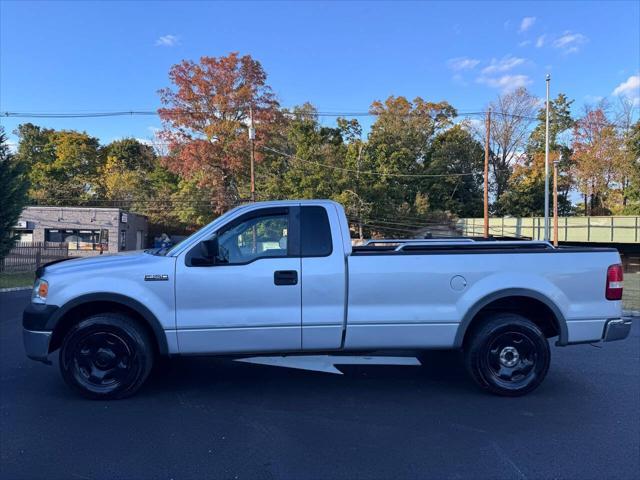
x,y
507,355
106,356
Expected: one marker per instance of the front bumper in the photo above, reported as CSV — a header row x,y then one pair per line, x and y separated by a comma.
x,y
36,345
616,329
38,322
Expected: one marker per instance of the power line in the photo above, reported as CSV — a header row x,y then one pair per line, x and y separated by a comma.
x,y
131,113
154,113
364,172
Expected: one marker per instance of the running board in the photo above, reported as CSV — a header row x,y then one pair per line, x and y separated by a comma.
x,y
327,363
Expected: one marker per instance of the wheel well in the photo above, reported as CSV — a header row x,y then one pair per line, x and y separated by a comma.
x,y
84,310
533,309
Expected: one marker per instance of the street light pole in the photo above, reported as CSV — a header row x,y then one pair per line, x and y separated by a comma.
x,y
486,175
555,200
546,169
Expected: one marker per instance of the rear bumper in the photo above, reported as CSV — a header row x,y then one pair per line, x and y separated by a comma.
x,y
36,345
616,329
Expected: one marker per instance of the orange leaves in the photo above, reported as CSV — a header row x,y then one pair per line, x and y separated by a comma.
x,y
206,115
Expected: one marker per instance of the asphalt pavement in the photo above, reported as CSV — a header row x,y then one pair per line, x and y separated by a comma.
x,y
214,418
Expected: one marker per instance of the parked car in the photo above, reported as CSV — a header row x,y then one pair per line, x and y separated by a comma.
x,y
283,277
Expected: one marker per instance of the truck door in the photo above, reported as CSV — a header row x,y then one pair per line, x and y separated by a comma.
x,y
250,299
323,277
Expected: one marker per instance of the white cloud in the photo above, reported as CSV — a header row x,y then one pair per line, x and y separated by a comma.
x,y
524,43
168,41
462,63
570,42
526,24
631,85
540,41
593,98
502,65
630,89
505,82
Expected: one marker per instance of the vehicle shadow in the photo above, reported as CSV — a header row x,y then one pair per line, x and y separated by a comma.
x,y
440,371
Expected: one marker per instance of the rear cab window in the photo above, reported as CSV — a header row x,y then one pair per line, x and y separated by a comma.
x,y
315,232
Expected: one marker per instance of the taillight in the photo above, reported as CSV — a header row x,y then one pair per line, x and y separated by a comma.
x,y
614,282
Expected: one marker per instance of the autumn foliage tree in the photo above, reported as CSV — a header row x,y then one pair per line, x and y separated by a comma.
x,y
599,163
205,116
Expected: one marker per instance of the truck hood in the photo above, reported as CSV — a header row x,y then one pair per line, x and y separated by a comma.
x,y
98,262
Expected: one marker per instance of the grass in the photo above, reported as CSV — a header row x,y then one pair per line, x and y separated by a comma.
x,y
9,280
631,292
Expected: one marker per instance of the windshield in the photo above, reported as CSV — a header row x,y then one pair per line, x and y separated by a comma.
x,y
170,250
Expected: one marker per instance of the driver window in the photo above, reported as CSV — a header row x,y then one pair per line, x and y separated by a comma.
x,y
259,237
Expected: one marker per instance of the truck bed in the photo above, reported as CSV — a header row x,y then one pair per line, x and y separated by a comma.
x,y
415,248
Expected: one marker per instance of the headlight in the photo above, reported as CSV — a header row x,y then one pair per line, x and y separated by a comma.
x,y
40,291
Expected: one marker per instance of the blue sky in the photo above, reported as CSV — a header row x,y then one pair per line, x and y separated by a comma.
x,y
98,56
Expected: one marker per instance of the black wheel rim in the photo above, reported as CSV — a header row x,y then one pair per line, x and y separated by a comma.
x,y
102,361
511,359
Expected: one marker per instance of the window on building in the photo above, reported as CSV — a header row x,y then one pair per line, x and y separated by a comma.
x,y
24,236
123,239
76,239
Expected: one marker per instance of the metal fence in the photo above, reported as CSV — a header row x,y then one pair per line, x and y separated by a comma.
x,y
26,257
614,229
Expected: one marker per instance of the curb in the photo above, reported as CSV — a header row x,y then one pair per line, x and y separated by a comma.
x,y
14,289
631,313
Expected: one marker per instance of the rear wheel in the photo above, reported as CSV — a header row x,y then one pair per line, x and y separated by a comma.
x,y
106,356
508,355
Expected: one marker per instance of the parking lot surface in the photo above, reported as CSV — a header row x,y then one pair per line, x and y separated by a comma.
x,y
214,418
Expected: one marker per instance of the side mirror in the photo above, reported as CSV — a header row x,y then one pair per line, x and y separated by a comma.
x,y
206,254
210,248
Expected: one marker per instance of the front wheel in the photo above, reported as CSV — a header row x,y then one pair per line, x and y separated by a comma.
x,y
508,355
107,356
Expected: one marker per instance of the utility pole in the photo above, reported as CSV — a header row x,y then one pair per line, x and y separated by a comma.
x,y
546,169
360,235
486,175
555,201
252,136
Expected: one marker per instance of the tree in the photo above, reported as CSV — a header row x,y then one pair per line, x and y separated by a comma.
x,y
205,121
399,146
123,180
13,191
511,119
630,161
631,203
316,153
599,162
63,165
524,195
459,157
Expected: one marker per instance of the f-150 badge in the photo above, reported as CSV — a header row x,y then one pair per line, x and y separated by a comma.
x,y
156,277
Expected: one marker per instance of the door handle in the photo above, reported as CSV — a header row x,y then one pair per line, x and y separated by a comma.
x,y
285,277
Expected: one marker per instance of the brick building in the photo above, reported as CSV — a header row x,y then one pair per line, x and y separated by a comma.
x,y
86,230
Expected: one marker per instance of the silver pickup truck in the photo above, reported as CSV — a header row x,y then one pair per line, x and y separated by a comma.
x,y
284,277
